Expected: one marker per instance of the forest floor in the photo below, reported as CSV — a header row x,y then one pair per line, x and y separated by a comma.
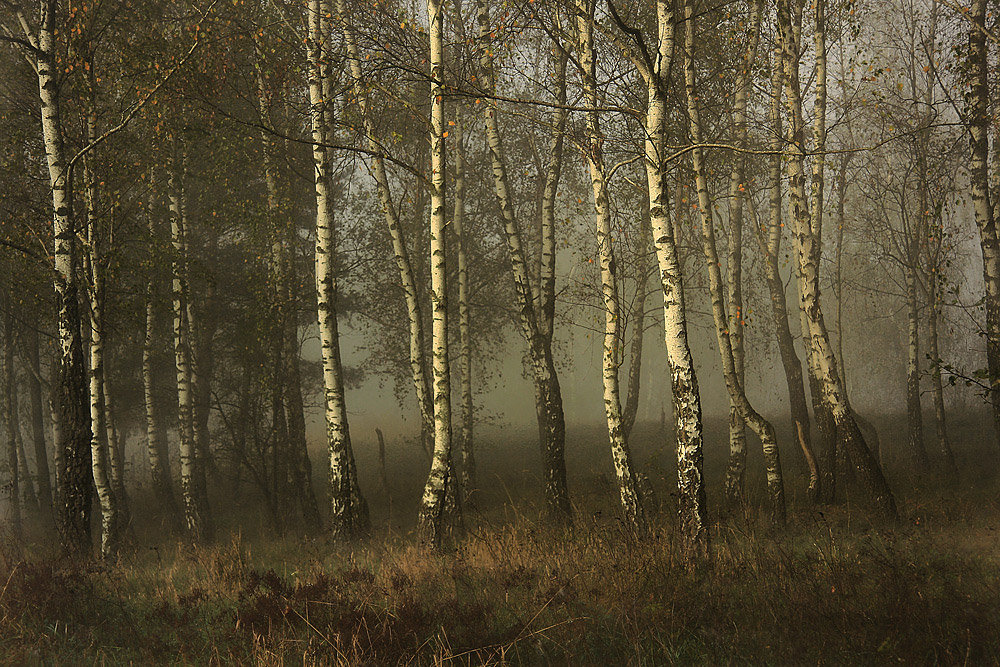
x,y
829,589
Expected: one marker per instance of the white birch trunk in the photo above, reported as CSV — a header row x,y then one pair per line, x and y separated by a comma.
x,y
431,519
548,394
627,481
691,502
196,511
349,512
737,394
807,254
75,475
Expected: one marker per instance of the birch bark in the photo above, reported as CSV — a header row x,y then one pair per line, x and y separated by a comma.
x,y
349,511
737,394
627,480
807,254
431,518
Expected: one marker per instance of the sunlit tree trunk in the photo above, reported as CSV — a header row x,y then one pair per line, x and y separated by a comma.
x,y
432,506
691,502
536,325
627,481
116,457
349,511
75,476
737,393
196,512
807,253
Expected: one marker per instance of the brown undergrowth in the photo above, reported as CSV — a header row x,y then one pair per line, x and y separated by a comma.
x,y
829,590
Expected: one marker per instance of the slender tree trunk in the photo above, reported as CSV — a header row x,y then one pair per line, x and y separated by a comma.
x,y
691,502
978,121
638,321
737,394
432,507
536,327
196,511
37,412
156,433
465,444
349,511
10,421
790,362
111,535
914,413
116,453
627,480
807,253
735,487
401,253
75,475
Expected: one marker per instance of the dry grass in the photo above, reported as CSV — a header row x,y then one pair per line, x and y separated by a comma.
x,y
829,590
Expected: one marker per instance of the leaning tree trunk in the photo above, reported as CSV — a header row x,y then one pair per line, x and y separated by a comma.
x,y
790,362
807,255
349,511
536,327
196,511
73,414
691,502
737,393
627,481
401,253
735,486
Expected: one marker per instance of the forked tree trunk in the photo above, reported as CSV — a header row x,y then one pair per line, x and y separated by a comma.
x,y
349,511
536,325
628,486
737,394
807,254
790,362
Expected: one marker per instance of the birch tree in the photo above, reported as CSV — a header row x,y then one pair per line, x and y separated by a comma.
x,y
807,241
432,505
349,511
737,394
